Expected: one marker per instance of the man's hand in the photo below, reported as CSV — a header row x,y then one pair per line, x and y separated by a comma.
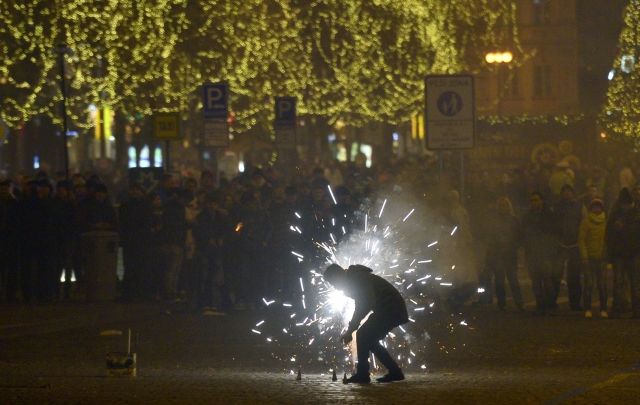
x,y
346,337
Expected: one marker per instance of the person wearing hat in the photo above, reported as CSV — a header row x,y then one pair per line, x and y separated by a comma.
x,y
591,242
370,293
621,239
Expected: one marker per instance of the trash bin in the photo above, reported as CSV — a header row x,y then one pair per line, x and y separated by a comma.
x,y
100,257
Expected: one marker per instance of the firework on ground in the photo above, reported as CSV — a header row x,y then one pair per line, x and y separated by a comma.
x,y
308,327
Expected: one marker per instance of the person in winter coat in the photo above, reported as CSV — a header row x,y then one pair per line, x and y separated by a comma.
x,y
568,212
502,252
210,231
592,252
96,211
135,216
254,231
172,238
539,238
370,293
622,238
38,223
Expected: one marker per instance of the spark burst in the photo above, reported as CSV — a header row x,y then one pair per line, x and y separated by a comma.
x,y
320,313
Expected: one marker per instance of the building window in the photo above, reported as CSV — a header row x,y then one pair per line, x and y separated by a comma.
x,y
508,82
542,81
157,157
133,157
144,157
541,12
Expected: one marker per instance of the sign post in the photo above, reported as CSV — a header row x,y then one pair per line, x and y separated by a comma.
x,y
166,127
215,113
450,115
285,122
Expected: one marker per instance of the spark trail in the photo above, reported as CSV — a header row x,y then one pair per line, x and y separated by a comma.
x,y
312,323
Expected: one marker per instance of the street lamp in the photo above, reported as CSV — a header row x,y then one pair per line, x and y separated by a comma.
x,y
62,49
498,57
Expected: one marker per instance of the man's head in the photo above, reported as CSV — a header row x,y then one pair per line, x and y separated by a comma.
x,y
5,189
136,191
335,275
43,189
536,201
101,193
567,193
625,199
63,190
596,206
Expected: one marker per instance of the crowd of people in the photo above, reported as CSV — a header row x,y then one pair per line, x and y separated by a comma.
x,y
221,244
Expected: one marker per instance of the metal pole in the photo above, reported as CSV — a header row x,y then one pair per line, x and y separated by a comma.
x,y
62,49
167,160
462,175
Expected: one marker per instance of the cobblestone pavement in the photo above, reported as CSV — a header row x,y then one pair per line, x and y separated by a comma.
x,y
55,354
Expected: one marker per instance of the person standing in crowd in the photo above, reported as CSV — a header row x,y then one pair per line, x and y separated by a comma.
x,y
568,212
9,232
157,261
96,212
254,230
458,216
502,252
172,238
207,181
622,240
591,194
38,231
135,216
538,236
592,252
209,231
282,213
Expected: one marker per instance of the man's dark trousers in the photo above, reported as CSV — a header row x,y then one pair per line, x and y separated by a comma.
x,y
368,339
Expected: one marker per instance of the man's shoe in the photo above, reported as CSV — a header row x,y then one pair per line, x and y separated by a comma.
x,y
395,376
604,314
358,379
588,314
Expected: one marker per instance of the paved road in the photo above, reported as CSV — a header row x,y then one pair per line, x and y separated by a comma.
x,y
55,354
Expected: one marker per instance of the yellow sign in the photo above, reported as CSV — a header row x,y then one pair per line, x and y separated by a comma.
x,y
166,126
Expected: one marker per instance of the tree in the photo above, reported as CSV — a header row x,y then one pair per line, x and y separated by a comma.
x,y
621,113
357,61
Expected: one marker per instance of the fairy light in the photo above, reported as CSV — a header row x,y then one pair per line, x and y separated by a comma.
x,y
621,111
151,57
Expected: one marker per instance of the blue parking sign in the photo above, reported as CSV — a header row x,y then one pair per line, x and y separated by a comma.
x,y
215,101
285,112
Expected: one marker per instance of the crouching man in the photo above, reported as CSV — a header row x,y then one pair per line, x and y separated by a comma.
x,y
370,293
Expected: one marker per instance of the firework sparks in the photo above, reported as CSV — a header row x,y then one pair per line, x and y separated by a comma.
x,y
408,215
327,311
332,196
382,209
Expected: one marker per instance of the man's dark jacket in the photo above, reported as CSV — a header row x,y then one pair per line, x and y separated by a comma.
x,y
373,293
